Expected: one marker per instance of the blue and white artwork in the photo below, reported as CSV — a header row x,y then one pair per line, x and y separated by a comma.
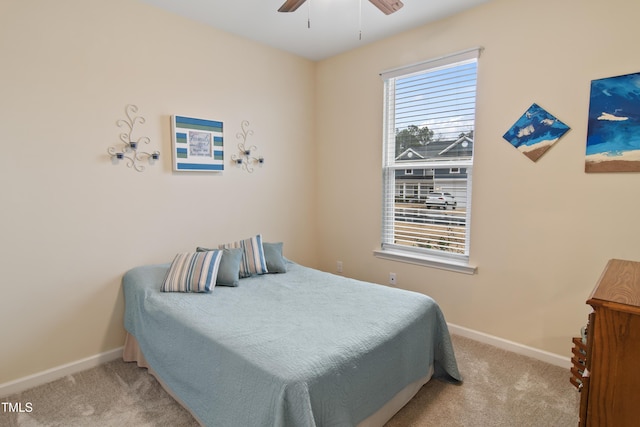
x,y
535,132
198,144
613,135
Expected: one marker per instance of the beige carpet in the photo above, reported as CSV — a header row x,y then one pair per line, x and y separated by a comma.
x,y
500,389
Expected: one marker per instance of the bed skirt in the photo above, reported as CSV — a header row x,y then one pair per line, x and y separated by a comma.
x,y
132,353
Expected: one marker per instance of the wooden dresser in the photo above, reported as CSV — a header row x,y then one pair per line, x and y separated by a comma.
x,y
606,369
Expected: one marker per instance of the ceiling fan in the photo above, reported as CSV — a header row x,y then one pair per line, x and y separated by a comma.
x,y
386,6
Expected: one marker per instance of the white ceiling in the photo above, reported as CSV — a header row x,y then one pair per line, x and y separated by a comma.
x,y
335,24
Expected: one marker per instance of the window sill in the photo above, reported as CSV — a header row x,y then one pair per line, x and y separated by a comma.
x,y
425,260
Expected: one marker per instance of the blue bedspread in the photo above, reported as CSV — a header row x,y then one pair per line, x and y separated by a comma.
x,y
304,348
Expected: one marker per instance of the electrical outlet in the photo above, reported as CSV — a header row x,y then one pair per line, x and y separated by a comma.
x,y
392,279
339,267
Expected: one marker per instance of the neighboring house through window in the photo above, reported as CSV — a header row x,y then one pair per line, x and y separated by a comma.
x,y
429,125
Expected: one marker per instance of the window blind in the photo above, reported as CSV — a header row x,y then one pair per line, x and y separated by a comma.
x,y
428,139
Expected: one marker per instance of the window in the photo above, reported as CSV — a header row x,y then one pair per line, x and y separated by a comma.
x,y
428,142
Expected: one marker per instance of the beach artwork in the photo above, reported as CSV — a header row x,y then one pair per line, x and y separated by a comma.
x,y
535,132
613,134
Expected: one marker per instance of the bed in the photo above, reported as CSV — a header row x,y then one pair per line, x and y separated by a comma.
x,y
303,348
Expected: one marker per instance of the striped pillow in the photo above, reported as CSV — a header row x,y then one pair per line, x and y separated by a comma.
x,y
192,272
253,261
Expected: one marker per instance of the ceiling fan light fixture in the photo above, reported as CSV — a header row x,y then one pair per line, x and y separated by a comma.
x,y
291,5
387,6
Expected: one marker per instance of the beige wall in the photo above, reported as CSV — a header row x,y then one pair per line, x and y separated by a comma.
x,y
71,223
542,232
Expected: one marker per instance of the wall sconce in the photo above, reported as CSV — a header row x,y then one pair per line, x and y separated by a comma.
x,y
245,160
130,150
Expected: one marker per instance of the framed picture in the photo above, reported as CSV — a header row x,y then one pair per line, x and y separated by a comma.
x,y
613,134
198,144
535,132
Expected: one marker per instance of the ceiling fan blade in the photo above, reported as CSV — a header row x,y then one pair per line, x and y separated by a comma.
x,y
387,6
291,5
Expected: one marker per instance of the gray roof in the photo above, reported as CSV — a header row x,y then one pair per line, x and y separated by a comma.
x,y
433,150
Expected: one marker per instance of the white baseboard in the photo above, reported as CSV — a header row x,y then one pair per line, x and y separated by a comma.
x,y
25,383
545,356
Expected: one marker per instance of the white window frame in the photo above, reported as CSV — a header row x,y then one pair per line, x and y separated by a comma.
x,y
403,253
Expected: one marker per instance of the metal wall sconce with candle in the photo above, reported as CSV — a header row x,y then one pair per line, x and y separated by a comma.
x,y
245,159
130,151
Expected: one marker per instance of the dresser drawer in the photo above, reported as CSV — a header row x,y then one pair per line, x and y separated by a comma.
x,y
578,362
